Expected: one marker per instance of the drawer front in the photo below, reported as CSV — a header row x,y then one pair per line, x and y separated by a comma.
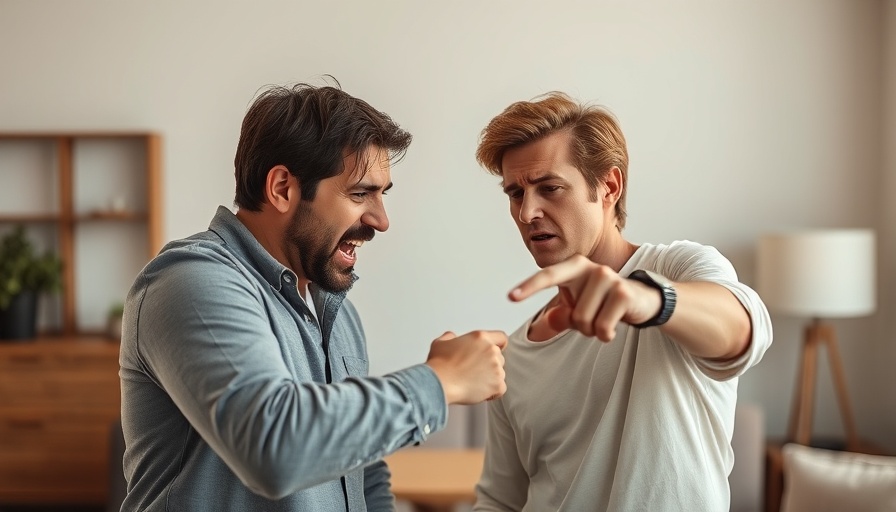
x,y
57,404
65,376
55,356
54,457
67,389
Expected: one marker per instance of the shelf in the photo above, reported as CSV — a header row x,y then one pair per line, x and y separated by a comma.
x,y
49,218
36,218
110,215
101,194
85,195
48,338
77,135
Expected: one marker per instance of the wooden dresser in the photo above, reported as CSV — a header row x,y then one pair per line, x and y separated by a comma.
x,y
58,399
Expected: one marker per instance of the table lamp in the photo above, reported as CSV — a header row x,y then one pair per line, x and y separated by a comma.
x,y
819,275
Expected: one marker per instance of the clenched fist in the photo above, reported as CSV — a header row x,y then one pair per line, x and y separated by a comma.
x,y
470,367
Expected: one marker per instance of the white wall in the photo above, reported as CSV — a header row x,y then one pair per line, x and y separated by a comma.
x,y
742,117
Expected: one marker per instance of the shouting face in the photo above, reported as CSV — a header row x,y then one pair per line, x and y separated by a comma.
x,y
347,210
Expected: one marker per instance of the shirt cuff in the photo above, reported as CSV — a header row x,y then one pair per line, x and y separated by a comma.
x,y
428,399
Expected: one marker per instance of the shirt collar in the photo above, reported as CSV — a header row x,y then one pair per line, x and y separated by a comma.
x,y
243,243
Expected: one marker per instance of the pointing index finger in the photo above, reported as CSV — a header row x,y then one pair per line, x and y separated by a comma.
x,y
554,275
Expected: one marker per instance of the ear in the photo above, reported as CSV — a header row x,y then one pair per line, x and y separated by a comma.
x,y
612,187
278,189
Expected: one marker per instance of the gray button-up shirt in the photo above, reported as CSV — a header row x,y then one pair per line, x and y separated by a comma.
x,y
234,397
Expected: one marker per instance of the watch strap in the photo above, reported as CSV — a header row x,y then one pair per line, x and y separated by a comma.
x,y
668,298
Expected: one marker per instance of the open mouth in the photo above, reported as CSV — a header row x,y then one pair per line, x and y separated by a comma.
x,y
542,237
347,249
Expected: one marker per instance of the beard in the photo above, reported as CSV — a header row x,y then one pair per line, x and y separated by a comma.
x,y
315,243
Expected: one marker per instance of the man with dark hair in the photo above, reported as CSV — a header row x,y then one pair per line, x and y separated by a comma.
x,y
622,388
243,365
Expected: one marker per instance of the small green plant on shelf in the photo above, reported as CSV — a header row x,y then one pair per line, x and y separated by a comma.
x,y
23,275
113,320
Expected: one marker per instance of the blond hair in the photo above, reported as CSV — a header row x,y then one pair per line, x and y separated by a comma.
x,y
597,141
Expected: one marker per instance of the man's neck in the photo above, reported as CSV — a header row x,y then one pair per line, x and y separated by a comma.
x,y
614,251
266,230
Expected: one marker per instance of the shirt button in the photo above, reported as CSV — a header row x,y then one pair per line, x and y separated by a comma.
x,y
287,278
426,429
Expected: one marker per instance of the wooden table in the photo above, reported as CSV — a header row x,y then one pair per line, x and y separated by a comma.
x,y
435,479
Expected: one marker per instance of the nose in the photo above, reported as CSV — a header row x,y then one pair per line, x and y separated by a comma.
x,y
376,217
529,209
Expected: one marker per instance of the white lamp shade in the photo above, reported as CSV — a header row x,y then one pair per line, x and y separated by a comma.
x,y
823,273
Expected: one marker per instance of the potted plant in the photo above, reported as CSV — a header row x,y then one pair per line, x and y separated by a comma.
x,y
113,320
23,276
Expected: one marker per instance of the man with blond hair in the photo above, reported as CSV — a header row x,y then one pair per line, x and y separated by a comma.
x,y
621,389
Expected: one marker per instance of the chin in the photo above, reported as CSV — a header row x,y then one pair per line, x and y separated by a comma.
x,y
335,280
546,259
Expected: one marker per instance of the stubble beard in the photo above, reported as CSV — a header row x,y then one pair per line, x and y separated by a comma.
x,y
312,241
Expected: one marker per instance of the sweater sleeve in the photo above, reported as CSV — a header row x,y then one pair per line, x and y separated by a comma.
x,y
504,483
689,261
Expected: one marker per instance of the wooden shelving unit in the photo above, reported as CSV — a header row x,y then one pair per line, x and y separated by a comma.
x,y
59,394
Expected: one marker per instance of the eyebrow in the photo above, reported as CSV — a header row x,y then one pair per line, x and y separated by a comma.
x,y
372,187
540,179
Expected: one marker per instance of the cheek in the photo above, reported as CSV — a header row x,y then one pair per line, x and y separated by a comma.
x,y
583,220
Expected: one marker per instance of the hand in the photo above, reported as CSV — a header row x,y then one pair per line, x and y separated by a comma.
x,y
470,367
593,298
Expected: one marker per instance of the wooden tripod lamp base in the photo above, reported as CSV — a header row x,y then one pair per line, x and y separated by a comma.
x,y
818,334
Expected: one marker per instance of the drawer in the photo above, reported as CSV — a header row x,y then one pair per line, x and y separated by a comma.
x,y
58,401
46,456
42,477
54,431
65,389
32,358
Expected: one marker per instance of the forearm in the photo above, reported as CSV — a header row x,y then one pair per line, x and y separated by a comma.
x,y
261,402
281,438
709,321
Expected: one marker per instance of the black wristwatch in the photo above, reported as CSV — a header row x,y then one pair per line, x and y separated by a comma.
x,y
667,291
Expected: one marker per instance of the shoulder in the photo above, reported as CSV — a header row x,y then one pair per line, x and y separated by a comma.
x,y
192,271
683,250
192,258
684,260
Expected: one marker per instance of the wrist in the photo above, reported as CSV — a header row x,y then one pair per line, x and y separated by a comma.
x,y
667,294
448,389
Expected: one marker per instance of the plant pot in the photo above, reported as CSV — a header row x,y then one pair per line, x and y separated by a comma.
x,y
19,320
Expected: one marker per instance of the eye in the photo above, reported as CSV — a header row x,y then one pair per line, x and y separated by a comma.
x,y
359,195
515,194
551,188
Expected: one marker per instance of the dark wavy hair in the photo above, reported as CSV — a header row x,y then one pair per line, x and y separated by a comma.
x,y
309,130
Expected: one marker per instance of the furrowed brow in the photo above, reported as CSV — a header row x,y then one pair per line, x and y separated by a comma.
x,y
373,187
547,177
511,188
